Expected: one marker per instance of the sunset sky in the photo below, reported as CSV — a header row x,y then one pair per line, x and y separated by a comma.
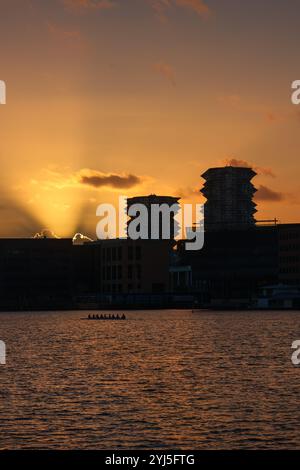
x,y
132,97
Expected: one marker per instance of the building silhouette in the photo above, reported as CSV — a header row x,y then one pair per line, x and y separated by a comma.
x,y
229,193
289,254
36,273
233,265
239,259
165,217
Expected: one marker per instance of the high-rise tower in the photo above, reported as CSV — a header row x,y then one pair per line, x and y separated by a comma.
x,y
229,193
161,211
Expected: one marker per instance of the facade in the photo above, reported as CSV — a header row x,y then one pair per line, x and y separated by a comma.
x,y
289,254
35,273
278,297
41,274
86,266
233,265
165,215
229,193
181,279
134,267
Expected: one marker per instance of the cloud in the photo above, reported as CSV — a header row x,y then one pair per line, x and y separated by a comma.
x,y
198,6
81,5
161,7
98,180
45,233
266,194
166,71
188,193
243,163
86,177
80,239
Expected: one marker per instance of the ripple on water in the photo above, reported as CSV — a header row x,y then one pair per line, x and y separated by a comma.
x,y
163,379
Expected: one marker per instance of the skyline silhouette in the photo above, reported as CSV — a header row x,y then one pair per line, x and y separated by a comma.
x,y
30,228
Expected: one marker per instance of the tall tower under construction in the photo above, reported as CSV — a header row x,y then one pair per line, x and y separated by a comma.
x,y
229,193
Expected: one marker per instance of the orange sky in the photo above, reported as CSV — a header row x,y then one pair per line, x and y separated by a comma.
x,y
141,96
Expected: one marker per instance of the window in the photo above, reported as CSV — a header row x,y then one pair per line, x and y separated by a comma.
x,y
119,272
138,252
130,271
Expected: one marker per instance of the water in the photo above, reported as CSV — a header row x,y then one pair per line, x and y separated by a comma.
x,y
160,380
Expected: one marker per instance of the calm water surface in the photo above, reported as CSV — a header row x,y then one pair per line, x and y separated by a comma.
x,y
163,379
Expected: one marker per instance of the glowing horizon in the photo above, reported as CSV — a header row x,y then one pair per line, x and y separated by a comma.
x,y
141,97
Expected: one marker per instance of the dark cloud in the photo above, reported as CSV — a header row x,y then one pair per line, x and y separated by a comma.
x,y
244,164
266,194
99,180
